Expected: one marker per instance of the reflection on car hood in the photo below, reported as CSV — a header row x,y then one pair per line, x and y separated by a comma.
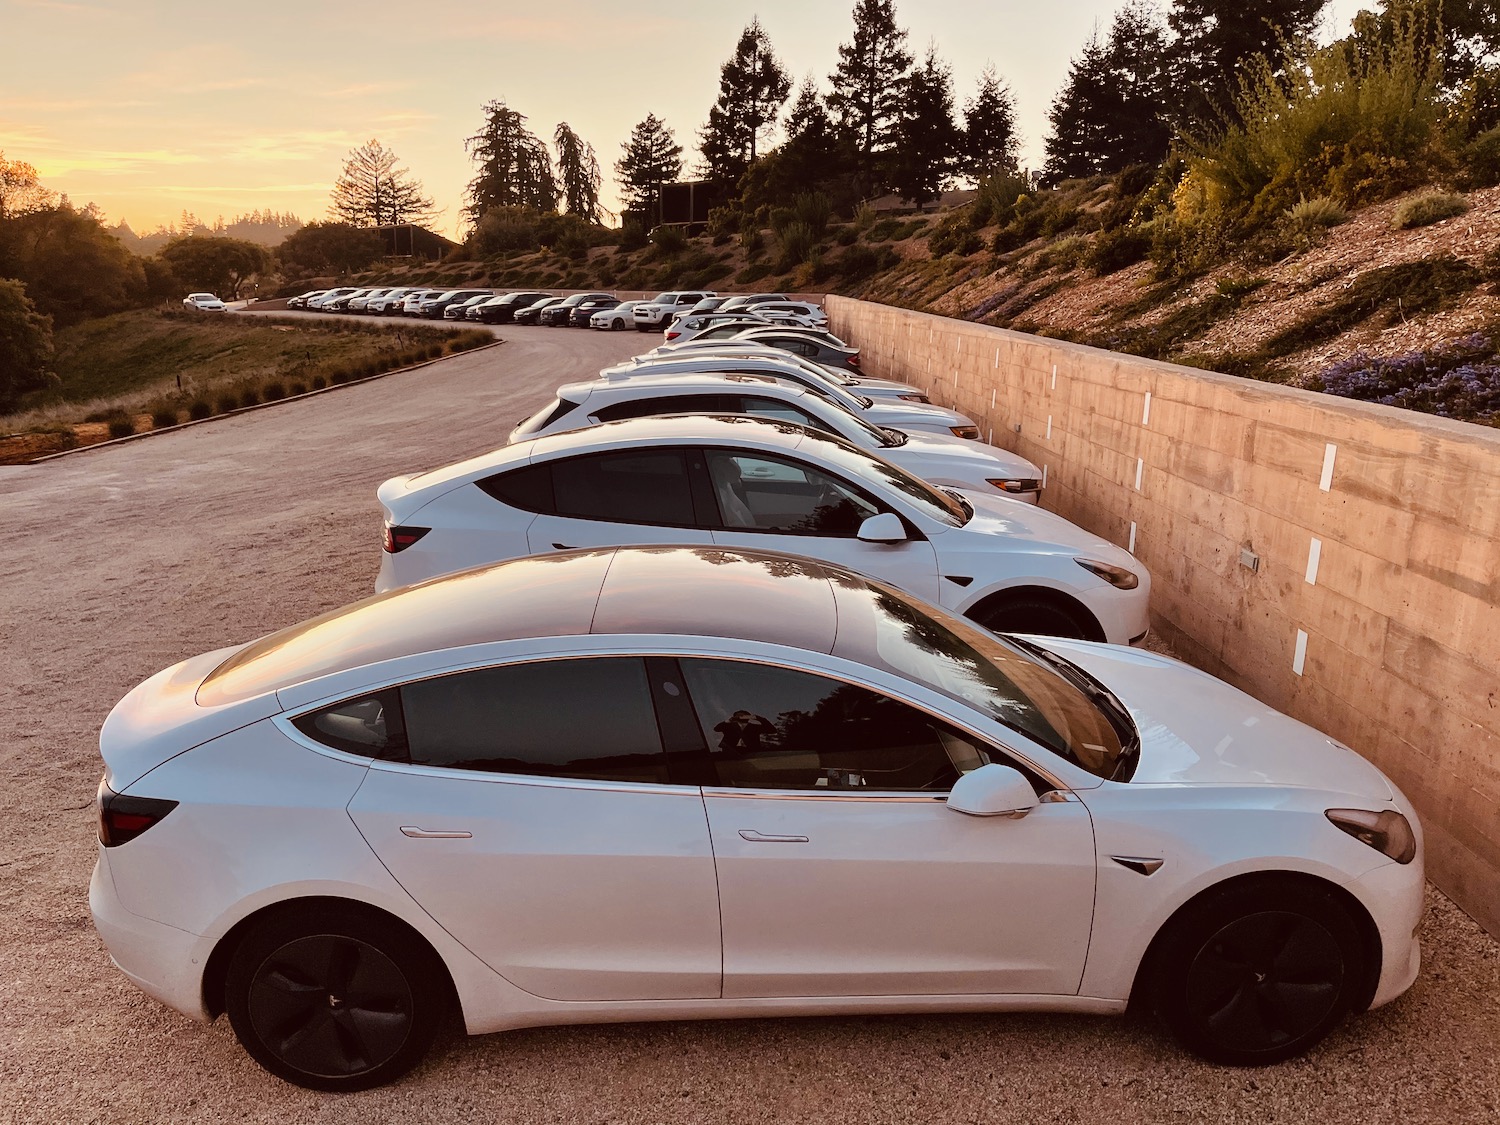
x,y
1026,527
1197,730
899,415
941,453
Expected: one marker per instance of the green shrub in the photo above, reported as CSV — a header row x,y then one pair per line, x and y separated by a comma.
x,y
318,382
752,242
669,241
1319,211
885,230
121,427
814,209
199,409
273,391
249,396
1425,210
997,196
847,235
864,217
797,243
162,417
1238,288
506,230
226,402
751,274
1066,253
781,218
297,389
1479,161
633,236
1115,250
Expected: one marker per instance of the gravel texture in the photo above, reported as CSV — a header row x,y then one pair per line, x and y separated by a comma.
x,y
120,561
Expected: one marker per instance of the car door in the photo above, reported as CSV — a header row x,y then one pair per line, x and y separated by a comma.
x,y
782,504
842,872
530,812
619,497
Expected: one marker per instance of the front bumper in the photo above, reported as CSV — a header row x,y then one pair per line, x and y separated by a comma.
x,y
1393,894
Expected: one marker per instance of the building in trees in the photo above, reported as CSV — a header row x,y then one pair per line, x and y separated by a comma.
x,y
577,174
515,169
650,159
753,87
1217,38
372,191
868,80
927,140
1110,114
990,139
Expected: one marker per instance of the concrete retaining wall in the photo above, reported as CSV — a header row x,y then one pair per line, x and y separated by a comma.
x,y
1368,607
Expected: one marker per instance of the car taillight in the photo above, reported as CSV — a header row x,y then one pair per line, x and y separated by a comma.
x,y
854,360
398,538
673,335
122,819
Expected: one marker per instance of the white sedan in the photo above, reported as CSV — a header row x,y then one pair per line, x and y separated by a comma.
x,y
616,319
203,302
739,481
940,459
667,784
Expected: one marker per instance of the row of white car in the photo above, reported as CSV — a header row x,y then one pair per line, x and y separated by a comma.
x,y
697,699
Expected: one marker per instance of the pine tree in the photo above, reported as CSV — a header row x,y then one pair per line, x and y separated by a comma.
x,y
927,140
578,172
1217,38
515,169
1110,114
372,191
652,158
752,89
989,139
868,80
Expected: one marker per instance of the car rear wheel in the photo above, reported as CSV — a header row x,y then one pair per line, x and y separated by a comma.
x,y
1258,973
1034,615
335,1000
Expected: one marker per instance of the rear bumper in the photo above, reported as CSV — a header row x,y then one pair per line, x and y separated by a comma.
x,y
163,962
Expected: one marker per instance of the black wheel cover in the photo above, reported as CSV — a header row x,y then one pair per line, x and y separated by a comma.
x,y
331,1006
1265,980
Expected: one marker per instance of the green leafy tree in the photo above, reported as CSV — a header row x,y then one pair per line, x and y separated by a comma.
x,y
812,158
25,344
21,192
867,82
515,169
753,87
650,159
1470,31
927,140
72,266
990,139
1216,41
1110,114
578,173
218,265
329,248
372,191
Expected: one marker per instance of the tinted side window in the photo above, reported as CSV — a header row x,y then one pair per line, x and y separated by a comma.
x,y
668,404
588,718
775,408
758,493
778,728
529,489
370,726
632,486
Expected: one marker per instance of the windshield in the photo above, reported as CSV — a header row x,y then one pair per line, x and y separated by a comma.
x,y
857,462
1003,681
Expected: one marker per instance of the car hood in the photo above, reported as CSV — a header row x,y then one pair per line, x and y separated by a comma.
x,y
1026,527
1198,730
898,415
944,459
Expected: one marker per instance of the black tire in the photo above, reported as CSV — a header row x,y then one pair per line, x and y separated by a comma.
x,y
335,999
617,325
1035,615
1259,971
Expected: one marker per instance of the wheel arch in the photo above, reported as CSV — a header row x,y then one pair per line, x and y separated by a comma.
x,y
998,599
216,970
1150,964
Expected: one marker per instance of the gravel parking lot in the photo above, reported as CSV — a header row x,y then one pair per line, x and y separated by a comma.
x,y
121,560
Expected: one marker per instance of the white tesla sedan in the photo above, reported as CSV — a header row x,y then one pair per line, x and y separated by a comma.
x,y
739,481
203,302
666,783
940,459
737,349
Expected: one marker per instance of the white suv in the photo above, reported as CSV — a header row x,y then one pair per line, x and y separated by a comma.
x,y
662,308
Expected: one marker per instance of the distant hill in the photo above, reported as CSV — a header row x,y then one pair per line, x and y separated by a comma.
x,y
267,228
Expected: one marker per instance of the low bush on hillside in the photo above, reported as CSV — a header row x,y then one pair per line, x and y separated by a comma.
x,y
1460,381
1118,249
1427,209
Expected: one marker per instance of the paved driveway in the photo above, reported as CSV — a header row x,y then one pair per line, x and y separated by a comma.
x,y
119,561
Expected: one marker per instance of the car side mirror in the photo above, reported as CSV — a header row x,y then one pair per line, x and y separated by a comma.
x,y
884,528
993,790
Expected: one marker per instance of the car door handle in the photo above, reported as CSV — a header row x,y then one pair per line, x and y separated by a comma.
x,y
561,547
754,837
433,834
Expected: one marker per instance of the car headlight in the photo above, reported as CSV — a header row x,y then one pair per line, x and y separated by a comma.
x,y
1015,484
970,432
1116,576
1388,832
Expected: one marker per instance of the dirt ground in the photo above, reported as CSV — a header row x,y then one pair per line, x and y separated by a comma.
x,y
122,560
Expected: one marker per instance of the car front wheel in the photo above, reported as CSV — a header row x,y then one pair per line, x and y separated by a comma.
x,y
1259,972
1038,615
335,999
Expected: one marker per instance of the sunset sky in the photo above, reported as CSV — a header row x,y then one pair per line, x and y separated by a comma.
x,y
153,107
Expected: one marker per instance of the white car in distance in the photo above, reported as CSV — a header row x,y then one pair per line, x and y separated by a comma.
x,y
203,302
939,459
741,481
647,784
693,325
660,310
617,319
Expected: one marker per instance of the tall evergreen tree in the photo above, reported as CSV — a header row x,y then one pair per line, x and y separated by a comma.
x,y
372,191
927,140
515,169
1470,29
651,158
868,80
1216,38
752,89
1110,114
989,139
578,173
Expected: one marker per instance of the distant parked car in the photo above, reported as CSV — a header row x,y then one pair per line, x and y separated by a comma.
x,y
660,310
584,311
806,345
320,302
748,301
388,303
693,325
434,307
529,314
300,301
361,303
459,309
708,304
502,310
617,319
558,315
341,304
792,312
203,302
